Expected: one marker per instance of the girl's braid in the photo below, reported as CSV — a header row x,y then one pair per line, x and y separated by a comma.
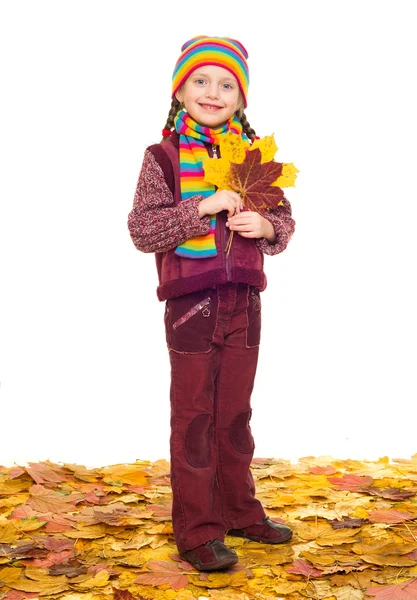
x,y
175,107
251,133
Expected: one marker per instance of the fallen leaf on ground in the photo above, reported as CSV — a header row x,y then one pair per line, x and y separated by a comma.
x,y
80,534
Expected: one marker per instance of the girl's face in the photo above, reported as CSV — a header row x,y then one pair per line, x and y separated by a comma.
x,y
210,95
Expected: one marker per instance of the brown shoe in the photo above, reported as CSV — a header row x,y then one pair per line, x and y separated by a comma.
x,y
266,531
210,556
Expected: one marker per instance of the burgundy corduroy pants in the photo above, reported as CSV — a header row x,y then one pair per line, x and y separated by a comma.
x,y
213,339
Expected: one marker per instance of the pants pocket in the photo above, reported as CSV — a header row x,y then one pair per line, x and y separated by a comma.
x,y
254,306
190,321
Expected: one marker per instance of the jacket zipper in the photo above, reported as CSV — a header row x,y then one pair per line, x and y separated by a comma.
x,y
203,306
223,228
228,258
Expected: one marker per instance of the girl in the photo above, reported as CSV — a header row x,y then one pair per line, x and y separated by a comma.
x,y
213,307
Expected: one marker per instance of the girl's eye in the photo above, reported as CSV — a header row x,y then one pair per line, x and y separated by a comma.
x,y
227,86
200,81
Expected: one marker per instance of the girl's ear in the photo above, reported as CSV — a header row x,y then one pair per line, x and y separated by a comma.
x,y
240,111
179,95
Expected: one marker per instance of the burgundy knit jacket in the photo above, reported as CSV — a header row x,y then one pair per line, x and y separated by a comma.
x,y
160,221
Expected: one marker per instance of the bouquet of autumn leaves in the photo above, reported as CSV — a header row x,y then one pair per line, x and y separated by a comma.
x,y
251,172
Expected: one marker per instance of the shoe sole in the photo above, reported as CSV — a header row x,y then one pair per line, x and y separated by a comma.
x,y
224,563
256,538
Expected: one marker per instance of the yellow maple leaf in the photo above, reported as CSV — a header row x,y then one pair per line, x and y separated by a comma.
x,y
99,580
324,534
81,596
213,580
391,482
14,486
8,532
319,560
233,148
350,507
125,579
347,593
384,547
151,593
288,176
216,172
28,524
11,502
89,533
42,588
229,595
281,499
179,595
388,559
267,146
39,581
10,574
360,512
128,558
118,475
313,511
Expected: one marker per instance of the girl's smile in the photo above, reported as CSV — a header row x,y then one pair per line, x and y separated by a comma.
x,y
210,107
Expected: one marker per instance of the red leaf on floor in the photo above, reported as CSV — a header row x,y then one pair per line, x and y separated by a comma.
x,y
327,470
347,523
18,595
54,558
164,571
125,595
401,591
43,473
390,516
391,493
57,545
301,567
160,510
351,483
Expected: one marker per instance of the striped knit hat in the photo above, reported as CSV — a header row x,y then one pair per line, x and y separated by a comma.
x,y
223,52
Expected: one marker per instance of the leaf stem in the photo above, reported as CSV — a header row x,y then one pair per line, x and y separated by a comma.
x,y
229,244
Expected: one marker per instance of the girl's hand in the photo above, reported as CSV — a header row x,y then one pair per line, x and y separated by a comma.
x,y
252,225
223,200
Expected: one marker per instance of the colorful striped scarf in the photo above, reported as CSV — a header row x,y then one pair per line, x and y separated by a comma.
x,y
193,153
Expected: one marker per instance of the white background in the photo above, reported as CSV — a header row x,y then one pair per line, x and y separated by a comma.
x,y
84,369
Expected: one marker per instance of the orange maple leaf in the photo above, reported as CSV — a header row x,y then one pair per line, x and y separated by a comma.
x,y
164,571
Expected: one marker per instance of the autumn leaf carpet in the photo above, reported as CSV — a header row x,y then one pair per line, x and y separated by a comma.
x,y
95,534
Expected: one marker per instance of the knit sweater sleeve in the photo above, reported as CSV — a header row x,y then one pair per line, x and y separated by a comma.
x,y
155,224
284,226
